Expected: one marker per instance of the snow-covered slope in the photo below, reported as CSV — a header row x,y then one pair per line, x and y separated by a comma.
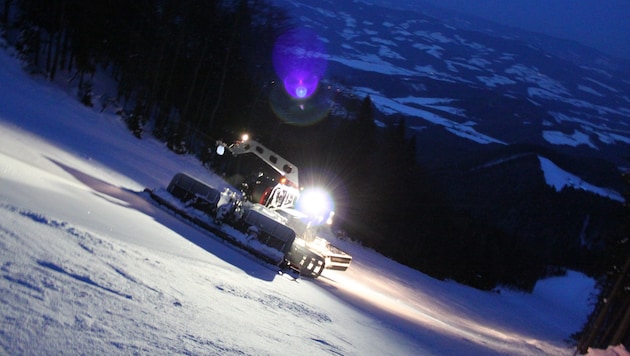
x,y
90,266
559,178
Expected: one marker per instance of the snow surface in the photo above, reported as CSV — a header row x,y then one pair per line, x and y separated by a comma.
x,y
561,138
89,265
558,178
408,107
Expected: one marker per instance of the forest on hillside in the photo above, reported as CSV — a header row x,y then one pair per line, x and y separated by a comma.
x,y
193,71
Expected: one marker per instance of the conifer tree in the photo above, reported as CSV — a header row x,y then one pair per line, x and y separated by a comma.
x,y
609,322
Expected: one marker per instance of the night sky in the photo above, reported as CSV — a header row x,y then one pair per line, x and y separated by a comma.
x,y
601,24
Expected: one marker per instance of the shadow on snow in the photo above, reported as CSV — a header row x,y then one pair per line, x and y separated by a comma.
x,y
141,202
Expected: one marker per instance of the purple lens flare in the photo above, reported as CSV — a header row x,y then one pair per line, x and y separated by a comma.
x,y
301,85
299,61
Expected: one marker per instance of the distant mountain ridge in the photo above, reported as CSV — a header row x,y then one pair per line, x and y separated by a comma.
x,y
472,97
491,88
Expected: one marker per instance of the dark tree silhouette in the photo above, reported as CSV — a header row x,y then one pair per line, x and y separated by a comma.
x,y
609,322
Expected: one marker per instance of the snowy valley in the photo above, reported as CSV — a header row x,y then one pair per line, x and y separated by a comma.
x,y
475,84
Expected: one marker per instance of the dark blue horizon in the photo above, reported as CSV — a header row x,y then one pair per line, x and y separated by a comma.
x,y
600,24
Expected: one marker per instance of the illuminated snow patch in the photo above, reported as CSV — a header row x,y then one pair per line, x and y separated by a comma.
x,y
495,80
434,103
465,130
602,85
432,50
558,178
608,137
575,139
372,63
542,81
385,51
590,90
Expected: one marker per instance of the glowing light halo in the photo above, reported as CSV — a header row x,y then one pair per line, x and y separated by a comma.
x,y
301,85
300,63
301,91
300,111
316,203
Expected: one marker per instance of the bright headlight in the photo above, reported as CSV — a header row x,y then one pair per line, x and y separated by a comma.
x,y
316,203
